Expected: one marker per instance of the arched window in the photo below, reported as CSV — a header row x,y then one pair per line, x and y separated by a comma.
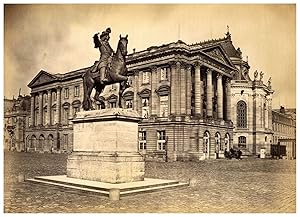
x,y
33,142
66,113
227,142
50,142
206,142
218,142
242,141
241,114
41,143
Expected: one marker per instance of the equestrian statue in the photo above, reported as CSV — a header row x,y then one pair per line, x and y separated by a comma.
x,y
110,69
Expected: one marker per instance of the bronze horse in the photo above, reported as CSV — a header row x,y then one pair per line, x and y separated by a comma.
x,y
115,73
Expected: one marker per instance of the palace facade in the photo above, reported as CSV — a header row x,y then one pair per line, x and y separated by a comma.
x,y
284,128
16,121
195,100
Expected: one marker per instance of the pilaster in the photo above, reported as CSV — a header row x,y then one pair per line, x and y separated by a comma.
x,y
209,93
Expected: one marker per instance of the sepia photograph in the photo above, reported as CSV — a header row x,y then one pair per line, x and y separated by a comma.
x,y
149,108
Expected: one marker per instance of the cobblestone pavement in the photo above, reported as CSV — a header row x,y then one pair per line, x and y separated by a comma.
x,y
219,186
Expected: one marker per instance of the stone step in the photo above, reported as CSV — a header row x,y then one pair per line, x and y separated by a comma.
x,y
103,189
82,185
153,189
66,186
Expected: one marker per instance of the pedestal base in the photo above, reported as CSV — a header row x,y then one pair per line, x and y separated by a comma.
x,y
110,167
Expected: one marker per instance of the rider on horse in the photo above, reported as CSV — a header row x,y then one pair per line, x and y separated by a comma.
x,y
105,56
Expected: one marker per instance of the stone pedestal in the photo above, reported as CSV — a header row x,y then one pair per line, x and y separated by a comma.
x,y
105,147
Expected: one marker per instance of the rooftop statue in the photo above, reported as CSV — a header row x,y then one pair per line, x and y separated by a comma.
x,y
110,69
261,76
269,82
255,75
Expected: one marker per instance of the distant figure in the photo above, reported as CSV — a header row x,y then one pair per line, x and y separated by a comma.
x,y
227,154
52,149
239,154
269,83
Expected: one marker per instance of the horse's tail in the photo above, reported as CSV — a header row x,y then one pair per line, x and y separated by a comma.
x,y
86,101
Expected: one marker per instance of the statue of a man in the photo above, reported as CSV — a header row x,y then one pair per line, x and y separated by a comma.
x,y
261,76
255,75
106,53
269,82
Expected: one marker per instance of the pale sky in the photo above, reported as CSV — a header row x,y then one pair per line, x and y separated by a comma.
x,y
58,38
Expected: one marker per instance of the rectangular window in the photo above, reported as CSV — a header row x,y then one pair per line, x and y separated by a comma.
x,y
161,140
242,141
75,110
66,116
146,77
65,139
45,116
76,91
100,106
113,104
54,96
163,74
37,100
36,117
145,107
128,104
142,140
66,91
53,116
45,97
164,106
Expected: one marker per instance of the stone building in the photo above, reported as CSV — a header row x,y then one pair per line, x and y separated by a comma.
x,y
186,94
284,128
251,111
55,99
16,119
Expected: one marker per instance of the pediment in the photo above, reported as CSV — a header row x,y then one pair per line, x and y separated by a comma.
x,y
163,90
145,93
42,78
218,53
128,95
112,98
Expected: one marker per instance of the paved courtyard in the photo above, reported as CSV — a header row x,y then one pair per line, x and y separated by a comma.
x,y
219,186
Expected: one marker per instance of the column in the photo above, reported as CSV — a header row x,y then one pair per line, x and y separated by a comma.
x,y
140,81
188,89
135,91
58,105
220,96
173,87
209,102
154,97
183,89
198,90
266,114
270,112
32,110
178,88
49,107
228,99
40,108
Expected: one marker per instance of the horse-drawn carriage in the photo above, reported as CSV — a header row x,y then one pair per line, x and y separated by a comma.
x,y
233,153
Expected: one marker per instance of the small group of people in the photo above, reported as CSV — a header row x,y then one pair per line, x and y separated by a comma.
x,y
232,153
